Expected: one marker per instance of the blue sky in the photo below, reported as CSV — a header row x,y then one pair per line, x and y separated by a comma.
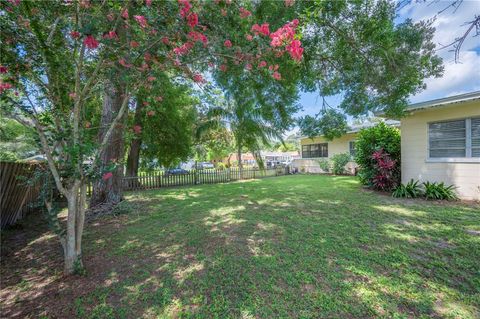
x,y
458,78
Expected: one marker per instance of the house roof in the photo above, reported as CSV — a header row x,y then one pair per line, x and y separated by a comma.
x,y
446,101
357,128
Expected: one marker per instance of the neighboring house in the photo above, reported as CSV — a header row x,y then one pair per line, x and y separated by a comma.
x,y
267,157
313,149
441,143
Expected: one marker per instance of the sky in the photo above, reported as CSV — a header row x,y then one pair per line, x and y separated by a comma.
x,y
458,78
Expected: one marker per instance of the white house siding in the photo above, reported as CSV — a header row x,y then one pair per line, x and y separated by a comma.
x,y
464,174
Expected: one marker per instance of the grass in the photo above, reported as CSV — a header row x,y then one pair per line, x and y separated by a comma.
x,y
294,246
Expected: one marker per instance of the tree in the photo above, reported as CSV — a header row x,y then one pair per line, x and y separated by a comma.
x,y
357,50
16,141
57,56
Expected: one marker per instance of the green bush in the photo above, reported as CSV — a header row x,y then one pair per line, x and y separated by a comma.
x,y
324,164
339,162
439,191
371,140
411,190
221,166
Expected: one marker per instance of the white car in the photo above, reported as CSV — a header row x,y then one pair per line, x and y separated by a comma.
x,y
207,165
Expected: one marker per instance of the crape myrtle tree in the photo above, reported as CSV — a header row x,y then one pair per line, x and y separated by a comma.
x,y
356,49
58,55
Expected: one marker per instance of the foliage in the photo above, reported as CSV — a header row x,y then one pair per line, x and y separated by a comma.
x,y
16,140
359,49
370,140
410,190
324,164
329,123
434,190
385,178
221,166
339,161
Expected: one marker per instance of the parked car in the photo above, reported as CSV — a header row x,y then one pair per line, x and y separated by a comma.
x,y
206,165
176,171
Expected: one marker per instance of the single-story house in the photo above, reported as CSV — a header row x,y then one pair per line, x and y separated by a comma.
x,y
313,149
441,143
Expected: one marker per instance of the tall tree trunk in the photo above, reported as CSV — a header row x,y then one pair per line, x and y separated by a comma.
x,y
239,159
110,190
134,153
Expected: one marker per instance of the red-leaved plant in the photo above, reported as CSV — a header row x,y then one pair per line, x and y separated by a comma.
x,y
386,177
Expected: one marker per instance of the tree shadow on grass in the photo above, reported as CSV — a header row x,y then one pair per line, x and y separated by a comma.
x,y
315,248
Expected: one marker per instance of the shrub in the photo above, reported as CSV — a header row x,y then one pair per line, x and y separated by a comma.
x,y
339,162
439,191
384,167
221,166
410,190
324,164
373,139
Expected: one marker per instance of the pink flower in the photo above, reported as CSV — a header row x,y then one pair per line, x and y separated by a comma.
x,y
125,14
147,56
249,37
244,13
151,113
295,50
277,76
88,124
14,2
142,21
145,103
227,43
110,35
223,12
182,50
90,42
148,3
3,69
124,63
223,68
289,3
192,20
263,29
75,34
137,129
151,78
198,78
72,95
110,17
197,36
262,64
107,176
248,66
284,35
134,44
165,40
4,87
159,98
185,7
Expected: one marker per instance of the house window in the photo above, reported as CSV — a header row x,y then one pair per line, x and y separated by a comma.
x,y
459,138
351,146
315,150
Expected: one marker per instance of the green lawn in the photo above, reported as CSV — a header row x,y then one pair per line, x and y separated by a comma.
x,y
286,247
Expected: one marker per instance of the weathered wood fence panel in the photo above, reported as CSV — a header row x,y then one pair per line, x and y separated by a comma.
x,y
156,180
17,197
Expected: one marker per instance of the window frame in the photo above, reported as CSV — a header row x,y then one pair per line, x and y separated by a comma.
x,y
350,148
468,143
319,150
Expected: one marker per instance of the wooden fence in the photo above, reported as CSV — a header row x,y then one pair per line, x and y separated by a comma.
x,y
196,177
17,197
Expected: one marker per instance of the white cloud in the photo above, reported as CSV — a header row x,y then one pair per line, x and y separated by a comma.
x,y
459,77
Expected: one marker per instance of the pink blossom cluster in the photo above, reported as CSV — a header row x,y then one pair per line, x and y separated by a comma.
x,y
261,29
244,13
183,49
198,36
284,35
